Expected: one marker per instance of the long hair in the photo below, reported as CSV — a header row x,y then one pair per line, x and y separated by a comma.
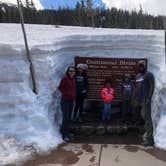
x,y
67,71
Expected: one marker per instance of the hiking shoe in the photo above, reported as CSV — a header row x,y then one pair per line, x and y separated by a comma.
x,y
148,143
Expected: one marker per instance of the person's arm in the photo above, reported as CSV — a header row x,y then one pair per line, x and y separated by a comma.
x,y
86,83
61,86
133,90
151,81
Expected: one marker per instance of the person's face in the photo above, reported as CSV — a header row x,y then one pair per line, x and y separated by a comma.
x,y
80,70
108,85
71,72
126,79
141,68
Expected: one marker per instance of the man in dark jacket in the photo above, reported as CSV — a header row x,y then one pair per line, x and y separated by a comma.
x,y
144,88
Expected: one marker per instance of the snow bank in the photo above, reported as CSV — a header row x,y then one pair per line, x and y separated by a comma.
x,y
29,118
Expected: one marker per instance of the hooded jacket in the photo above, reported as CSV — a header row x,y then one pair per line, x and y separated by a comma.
x,y
67,87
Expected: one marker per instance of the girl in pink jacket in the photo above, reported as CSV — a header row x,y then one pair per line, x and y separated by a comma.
x,y
107,94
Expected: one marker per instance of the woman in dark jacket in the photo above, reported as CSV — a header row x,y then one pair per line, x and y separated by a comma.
x,y
81,90
67,87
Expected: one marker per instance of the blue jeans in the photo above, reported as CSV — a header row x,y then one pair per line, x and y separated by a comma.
x,y
106,111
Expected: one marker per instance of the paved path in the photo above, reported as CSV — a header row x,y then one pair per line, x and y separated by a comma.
x,y
101,155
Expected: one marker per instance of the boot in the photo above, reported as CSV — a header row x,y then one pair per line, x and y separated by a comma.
x,y
147,143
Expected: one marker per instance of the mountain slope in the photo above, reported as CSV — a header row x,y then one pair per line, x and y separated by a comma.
x,y
37,3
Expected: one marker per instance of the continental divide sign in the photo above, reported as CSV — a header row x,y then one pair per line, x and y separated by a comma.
x,y
101,69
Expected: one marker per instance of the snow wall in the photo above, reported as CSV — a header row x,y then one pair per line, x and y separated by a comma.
x,y
27,123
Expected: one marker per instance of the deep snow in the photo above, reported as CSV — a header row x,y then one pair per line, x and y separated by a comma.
x,y
26,119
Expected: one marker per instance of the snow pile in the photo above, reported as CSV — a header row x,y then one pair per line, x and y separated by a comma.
x,y
13,156
29,118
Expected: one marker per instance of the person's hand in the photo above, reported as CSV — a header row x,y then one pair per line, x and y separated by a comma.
x,y
54,94
84,91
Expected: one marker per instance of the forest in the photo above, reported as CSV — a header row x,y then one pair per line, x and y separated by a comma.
x,y
83,14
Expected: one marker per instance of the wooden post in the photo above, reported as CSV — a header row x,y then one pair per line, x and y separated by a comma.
x,y
164,24
32,72
165,39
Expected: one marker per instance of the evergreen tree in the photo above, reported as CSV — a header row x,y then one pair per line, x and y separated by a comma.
x,y
84,14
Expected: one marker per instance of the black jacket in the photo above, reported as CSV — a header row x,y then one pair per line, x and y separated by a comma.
x,y
81,85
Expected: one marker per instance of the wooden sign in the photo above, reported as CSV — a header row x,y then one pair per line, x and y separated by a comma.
x,y
101,69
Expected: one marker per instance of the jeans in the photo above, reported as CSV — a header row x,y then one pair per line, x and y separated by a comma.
x,y
106,111
66,107
79,106
126,107
145,111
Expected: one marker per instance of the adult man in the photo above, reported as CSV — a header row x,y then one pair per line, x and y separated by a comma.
x,y
143,91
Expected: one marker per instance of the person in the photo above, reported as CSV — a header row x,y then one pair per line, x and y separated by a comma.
x,y
107,94
127,91
143,91
67,87
81,90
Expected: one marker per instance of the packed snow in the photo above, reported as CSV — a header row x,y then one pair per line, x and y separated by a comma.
x,y
27,123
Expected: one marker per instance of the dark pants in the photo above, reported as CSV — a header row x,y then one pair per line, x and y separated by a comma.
x,y
126,108
145,111
79,106
66,107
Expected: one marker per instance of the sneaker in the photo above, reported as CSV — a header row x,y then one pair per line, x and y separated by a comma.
x,y
148,143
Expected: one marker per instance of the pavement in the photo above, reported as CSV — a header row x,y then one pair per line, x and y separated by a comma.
x,y
101,155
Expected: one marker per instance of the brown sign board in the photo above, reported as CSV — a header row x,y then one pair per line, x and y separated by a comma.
x,y
100,69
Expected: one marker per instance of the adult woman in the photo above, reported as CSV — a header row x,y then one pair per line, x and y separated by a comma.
x,y
81,90
67,87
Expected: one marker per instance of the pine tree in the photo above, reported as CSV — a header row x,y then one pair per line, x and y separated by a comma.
x,y
90,11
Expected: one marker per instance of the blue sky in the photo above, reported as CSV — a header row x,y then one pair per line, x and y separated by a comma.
x,y
57,3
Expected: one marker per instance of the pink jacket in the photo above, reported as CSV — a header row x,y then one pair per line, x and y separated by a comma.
x,y
107,94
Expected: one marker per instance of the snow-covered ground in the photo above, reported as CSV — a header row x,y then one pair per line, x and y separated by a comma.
x,y
26,120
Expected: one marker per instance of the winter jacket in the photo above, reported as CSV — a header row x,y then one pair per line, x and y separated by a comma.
x,y
67,87
107,94
144,87
81,85
127,90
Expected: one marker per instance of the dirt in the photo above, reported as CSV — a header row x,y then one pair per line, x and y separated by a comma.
x,y
155,152
59,156
88,148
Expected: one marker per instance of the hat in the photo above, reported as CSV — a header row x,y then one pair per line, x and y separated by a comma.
x,y
82,66
141,63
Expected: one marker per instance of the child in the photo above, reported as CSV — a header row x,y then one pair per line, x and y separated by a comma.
x,y
107,94
126,95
